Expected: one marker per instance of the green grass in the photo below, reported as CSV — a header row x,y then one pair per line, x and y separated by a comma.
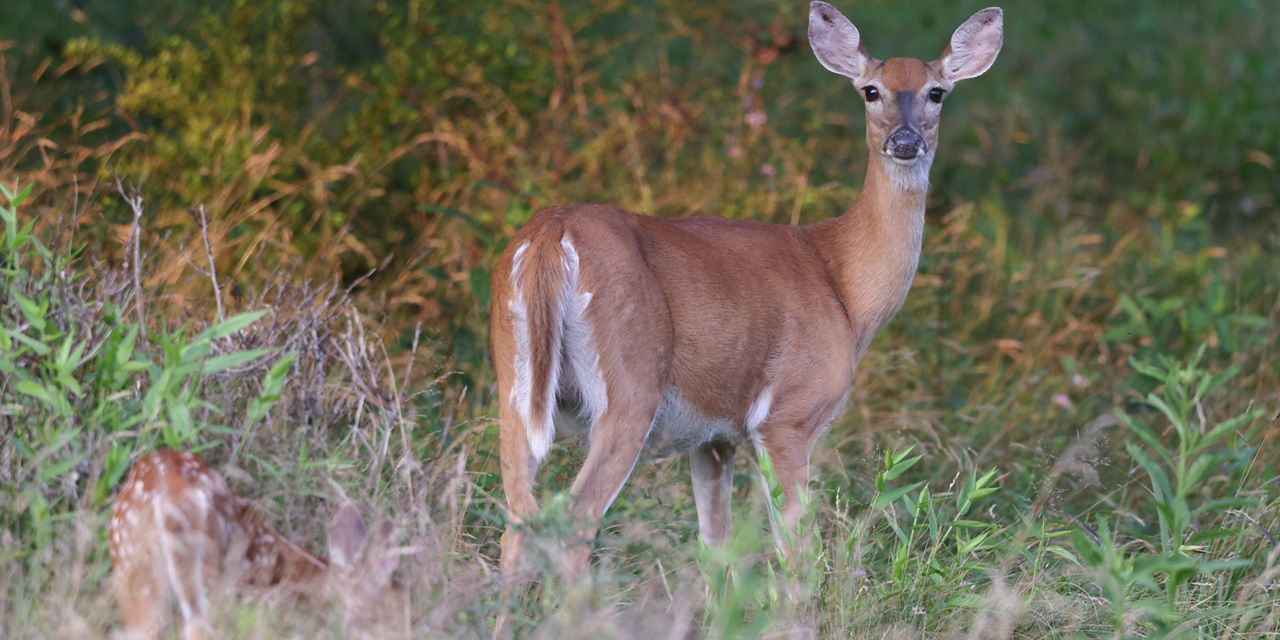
x,y
1068,432
1143,505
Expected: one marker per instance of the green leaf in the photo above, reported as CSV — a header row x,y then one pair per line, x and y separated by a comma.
x,y
59,468
227,361
1178,418
1217,533
33,389
1209,383
41,349
900,466
967,547
32,311
180,420
886,498
1159,479
229,326
1146,434
1135,314
1063,553
271,385
967,600
978,494
1200,468
197,350
1228,426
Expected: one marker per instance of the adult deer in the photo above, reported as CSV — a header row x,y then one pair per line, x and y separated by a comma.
x,y
176,529
648,337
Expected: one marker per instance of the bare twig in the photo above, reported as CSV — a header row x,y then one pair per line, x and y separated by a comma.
x,y
213,272
135,248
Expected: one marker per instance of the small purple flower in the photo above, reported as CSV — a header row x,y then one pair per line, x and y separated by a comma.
x,y
768,170
1062,400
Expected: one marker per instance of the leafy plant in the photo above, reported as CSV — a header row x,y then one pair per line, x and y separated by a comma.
x,y
84,390
1180,469
1151,576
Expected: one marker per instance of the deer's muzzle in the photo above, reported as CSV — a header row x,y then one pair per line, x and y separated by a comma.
x,y
905,144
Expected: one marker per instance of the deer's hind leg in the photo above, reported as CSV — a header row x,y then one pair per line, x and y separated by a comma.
x,y
142,591
188,554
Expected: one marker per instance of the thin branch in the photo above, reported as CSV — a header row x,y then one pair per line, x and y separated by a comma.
x,y
135,248
208,251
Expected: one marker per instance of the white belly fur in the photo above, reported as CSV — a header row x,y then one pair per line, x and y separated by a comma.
x,y
677,427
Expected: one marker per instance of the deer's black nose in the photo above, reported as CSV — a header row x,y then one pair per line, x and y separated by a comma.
x,y
904,144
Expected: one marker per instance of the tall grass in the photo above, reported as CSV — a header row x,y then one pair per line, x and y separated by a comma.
x,y
301,408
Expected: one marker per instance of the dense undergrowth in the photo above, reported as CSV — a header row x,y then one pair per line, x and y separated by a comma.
x,y
263,231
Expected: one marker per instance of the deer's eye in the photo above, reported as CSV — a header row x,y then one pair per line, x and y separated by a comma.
x,y
936,93
871,93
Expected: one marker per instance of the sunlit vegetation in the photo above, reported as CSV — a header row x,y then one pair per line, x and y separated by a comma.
x,y
263,231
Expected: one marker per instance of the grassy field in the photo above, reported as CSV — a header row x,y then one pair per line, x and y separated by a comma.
x,y
263,231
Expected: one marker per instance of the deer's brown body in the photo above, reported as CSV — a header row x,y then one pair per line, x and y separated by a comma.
x,y
648,337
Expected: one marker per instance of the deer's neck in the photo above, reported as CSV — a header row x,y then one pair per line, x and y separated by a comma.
x,y
872,250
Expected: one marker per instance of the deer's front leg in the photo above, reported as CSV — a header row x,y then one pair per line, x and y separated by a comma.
x,y
143,594
788,451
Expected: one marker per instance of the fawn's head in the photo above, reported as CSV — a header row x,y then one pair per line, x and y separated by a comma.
x,y
904,95
360,565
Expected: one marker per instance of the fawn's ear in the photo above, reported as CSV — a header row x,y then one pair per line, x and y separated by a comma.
x,y
379,558
974,45
836,42
346,537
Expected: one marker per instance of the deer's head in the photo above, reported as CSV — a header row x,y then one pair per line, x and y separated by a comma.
x,y
904,95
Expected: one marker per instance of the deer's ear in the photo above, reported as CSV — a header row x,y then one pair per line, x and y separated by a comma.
x,y
380,557
974,45
346,537
836,42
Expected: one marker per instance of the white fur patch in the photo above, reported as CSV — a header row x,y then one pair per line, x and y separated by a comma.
x,y
582,360
909,177
678,426
759,409
538,429
580,365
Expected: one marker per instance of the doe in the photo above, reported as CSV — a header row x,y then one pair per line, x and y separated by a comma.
x,y
648,337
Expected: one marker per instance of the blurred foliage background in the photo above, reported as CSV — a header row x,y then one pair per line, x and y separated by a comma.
x,y
410,139
1108,188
